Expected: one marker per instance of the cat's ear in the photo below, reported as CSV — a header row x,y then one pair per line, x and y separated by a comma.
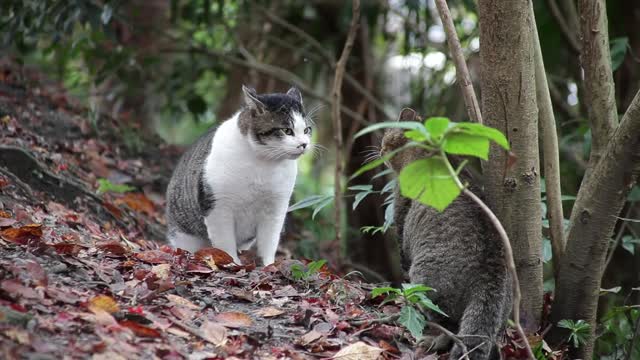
x,y
295,93
251,100
408,114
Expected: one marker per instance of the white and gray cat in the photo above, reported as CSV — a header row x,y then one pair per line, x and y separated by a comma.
x,y
232,187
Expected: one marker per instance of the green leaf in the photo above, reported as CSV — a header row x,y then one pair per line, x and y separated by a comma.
x,y
428,303
314,266
413,320
467,144
326,202
359,197
485,131
429,181
361,187
629,244
437,126
104,186
618,51
409,125
383,290
308,202
409,289
415,135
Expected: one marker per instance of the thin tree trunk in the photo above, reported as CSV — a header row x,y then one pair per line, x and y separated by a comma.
x,y
509,104
599,201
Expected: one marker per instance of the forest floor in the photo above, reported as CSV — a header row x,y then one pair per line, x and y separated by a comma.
x,y
85,274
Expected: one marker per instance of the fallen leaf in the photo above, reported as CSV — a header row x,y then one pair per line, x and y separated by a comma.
x,y
162,271
234,319
138,202
67,248
179,300
269,312
139,329
219,257
13,286
358,351
18,335
113,247
24,234
6,222
104,303
4,214
198,269
37,273
214,333
154,257
310,337
242,294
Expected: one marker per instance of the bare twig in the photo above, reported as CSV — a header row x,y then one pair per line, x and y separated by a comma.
x,y
336,95
511,266
473,108
568,33
551,157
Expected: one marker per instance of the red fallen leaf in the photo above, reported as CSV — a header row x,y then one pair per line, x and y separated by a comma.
x,y
233,319
37,273
113,247
18,307
13,286
140,274
136,310
388,347
137,202
67,248
154,257
139,329
114,210
197,268
23,235
218,256
3,182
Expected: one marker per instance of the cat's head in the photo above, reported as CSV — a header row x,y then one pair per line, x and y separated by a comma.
x,y
394,139
276,124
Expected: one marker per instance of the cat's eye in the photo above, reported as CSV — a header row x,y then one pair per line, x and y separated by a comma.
x,y
307,130
288,131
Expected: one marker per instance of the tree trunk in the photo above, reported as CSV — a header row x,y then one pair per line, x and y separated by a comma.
x,y
599,201
509,104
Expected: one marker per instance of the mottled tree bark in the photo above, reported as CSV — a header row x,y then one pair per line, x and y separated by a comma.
x,y
509,104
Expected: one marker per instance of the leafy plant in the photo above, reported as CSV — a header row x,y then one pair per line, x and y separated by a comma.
x,y
433,181
299,272
411,295
579,331
318,202
104,186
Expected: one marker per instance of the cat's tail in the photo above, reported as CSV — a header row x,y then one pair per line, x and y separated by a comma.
x,y
482,321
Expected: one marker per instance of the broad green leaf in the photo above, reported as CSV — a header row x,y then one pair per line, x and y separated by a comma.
x,y
437,126
384,290
618,51
314,266
320,206
308,202
485,131
409,125
428,303
104,186
409,289
413,320
429,181
467,144
415,135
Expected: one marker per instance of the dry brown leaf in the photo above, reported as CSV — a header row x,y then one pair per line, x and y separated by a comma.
x,y
104,303
310,337
140,330
179,300
219,257
234,319
358,351
23,234
138,202
162,271
269,312
154,257
214,333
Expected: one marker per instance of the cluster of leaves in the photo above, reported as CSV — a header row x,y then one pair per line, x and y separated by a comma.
x,y
616,333
302,273
412,297
579,331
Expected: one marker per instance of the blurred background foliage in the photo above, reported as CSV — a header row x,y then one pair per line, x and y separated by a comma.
x,y
171,69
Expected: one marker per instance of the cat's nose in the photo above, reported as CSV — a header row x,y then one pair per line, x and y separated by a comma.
x,y
302,146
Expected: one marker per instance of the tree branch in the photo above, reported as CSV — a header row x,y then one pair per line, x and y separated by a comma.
x,y
336,94
473,108
551,156
598,77
568,33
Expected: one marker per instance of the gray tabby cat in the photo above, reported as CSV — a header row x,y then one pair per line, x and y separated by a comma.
x,y
457,252
232,187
